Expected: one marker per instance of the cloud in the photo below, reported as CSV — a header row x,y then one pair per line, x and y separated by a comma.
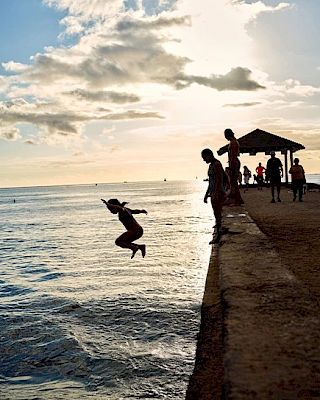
x,y
61,123
104,96
249,104
237,79
67,123
293,86
131,114
258,6
119,55
132,51
31,142
12,66
9,133
131,24
138,59
92,9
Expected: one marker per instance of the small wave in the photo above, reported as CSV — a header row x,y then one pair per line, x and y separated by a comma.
x,y
13,290
49,277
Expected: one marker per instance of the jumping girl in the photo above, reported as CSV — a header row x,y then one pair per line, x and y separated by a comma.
x,y
134,230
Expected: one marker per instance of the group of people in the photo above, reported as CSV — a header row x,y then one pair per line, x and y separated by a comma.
x,y
223,189
223,186
260,170
273,174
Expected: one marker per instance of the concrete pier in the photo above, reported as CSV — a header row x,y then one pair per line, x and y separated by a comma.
x,y
259,336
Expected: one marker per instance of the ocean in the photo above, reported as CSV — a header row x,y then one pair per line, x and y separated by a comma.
x,y
313,178
79,318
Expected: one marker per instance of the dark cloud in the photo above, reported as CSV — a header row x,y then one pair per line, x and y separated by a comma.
x,y
254,103
9,133
132,114
64,124
104,96
237,79
161,22
134,53
30,142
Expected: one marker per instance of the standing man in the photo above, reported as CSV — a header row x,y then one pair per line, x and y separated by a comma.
x,y
234,164
274,173
260,170
297,179
215,189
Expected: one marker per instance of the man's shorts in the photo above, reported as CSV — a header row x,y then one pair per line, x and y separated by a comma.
x,y
275,180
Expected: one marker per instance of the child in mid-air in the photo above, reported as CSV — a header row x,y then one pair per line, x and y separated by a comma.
x,y
134,230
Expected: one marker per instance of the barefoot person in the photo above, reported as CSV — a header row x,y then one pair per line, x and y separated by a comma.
x,y
274,172
134,230
216,190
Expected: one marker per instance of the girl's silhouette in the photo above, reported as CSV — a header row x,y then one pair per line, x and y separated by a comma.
x,y
134,230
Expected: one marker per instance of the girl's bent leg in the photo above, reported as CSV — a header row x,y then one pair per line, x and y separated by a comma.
x,y
142,248
134,250
125,241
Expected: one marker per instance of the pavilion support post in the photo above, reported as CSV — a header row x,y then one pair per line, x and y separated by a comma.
x,y
286,166
291,158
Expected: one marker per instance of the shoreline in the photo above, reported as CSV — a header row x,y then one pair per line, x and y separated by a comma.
x,y
268,290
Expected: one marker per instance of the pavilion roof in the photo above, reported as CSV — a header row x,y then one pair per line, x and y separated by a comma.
x,y
259,141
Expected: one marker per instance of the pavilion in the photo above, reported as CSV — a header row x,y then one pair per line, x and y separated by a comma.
x,y
259,141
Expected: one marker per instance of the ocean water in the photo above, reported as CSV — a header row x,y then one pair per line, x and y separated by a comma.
x,y
313,178
80,319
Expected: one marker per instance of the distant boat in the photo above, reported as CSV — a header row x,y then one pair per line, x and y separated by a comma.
x,y
125,181
165,180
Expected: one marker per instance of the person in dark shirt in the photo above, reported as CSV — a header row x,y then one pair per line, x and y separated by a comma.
x,y
274,172
134,230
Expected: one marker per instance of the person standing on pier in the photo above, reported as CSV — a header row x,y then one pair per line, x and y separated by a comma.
x,y
260,170
246,177
298,179
216,190
274,173
234,164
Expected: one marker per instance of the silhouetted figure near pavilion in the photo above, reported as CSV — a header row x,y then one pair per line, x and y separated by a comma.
x,y
234,164
274,173
298,179
260,171
246,177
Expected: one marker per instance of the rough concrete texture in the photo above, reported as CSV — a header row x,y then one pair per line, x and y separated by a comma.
x,y
270,325
260,325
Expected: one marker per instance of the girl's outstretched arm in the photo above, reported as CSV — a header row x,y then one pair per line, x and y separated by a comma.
x,y
112,206
138,211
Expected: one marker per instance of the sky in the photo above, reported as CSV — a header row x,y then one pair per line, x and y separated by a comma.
x,y
109,90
